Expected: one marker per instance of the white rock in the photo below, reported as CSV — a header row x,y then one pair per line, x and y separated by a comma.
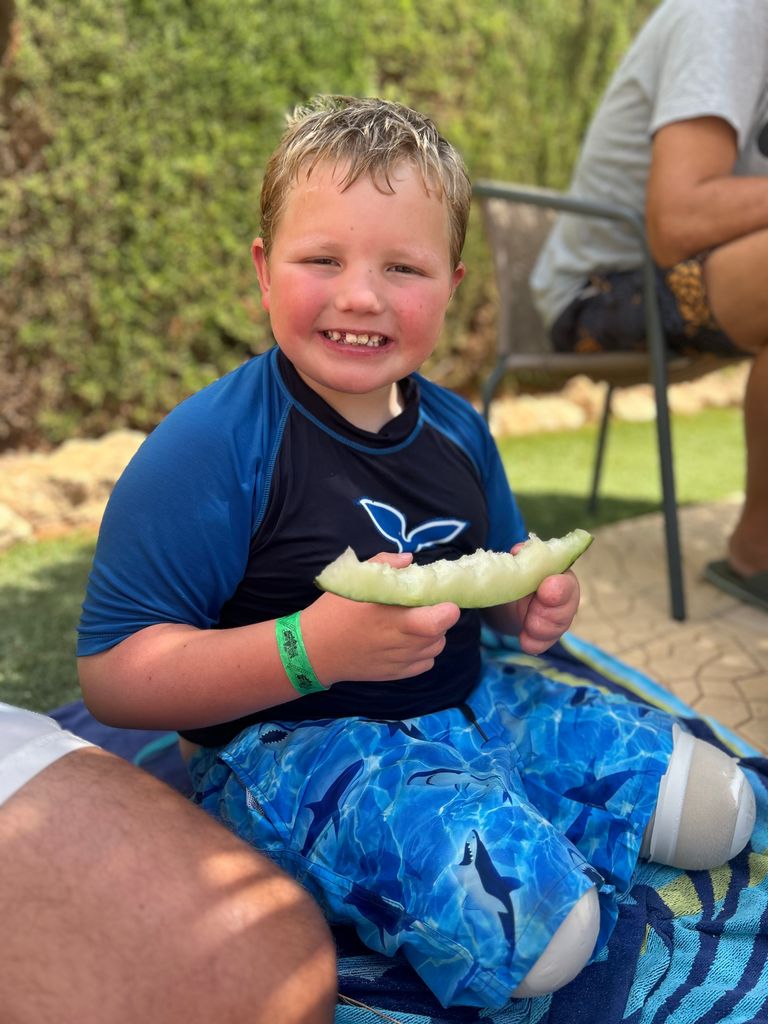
x,y
12,527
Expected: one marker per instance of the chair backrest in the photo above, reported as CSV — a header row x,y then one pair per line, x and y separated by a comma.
x,y
516,232
516,227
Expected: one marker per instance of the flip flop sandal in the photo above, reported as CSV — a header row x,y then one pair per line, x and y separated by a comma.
x,y
751,589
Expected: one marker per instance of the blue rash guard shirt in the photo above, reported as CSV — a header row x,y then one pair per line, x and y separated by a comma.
x,y
248,489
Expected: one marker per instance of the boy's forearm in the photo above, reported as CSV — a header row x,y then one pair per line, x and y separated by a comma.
x,y
172,676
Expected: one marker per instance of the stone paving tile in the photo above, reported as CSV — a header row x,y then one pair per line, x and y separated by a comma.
x,y
717,660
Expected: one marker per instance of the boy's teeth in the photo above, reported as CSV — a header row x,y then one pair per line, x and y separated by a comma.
x,y
348,338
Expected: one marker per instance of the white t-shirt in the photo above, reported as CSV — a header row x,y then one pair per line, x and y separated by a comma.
x,y
693,58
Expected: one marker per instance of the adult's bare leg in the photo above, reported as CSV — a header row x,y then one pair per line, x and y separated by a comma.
x,y
748,546
736,285
122,902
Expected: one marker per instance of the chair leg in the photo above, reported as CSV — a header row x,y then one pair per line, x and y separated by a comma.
x,y
658,352
669,506
489,388
600,453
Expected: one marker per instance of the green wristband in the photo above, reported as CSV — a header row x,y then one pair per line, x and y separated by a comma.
x,y
293,655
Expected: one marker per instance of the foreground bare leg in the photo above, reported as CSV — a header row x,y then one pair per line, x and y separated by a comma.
x,y
739,298
121,902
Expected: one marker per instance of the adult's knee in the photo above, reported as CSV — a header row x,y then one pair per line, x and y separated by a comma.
x,y
277,956
178,913
252,943
733,275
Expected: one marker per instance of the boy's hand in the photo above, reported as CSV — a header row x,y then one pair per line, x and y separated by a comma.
x,y
374,642
539,619
547,614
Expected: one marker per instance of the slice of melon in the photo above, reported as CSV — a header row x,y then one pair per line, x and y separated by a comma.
x,y
479,580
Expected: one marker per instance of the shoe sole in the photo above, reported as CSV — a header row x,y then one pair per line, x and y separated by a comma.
x,y
752,590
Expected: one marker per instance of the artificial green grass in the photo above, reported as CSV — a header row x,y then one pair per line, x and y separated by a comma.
x,y
42,584
552,473
41,590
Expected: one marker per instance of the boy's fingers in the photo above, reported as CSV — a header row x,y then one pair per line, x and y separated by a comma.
x,y
397,560
445,615
555,590
432,620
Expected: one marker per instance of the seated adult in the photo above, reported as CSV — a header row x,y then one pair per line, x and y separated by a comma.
x,y
681,135
122,902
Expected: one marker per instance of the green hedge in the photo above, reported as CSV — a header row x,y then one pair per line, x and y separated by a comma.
x,y
133,137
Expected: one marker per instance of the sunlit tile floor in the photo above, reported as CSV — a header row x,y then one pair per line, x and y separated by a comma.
x,y
717,660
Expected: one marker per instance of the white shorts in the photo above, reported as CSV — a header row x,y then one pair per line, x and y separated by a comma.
x,y
29,742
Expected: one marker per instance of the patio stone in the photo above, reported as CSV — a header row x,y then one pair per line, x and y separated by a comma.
x,y
717,660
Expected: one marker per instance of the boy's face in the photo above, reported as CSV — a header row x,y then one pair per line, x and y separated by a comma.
x,y
358,281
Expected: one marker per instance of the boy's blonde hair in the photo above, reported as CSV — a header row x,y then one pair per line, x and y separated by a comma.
x,y
367,137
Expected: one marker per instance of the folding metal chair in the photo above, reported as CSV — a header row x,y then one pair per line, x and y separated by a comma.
x,y
517,220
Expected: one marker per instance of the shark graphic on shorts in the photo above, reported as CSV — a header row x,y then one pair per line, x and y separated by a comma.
x,y
326,809
488,889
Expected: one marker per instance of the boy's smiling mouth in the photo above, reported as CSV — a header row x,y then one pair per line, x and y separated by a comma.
x,y
357,338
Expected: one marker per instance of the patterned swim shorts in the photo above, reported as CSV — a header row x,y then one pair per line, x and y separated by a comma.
x,y
607,314
461,838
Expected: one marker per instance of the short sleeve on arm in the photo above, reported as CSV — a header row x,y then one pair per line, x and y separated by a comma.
x,y
711,61
176,533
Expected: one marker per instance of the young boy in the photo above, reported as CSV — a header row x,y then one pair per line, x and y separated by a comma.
x,y
480,821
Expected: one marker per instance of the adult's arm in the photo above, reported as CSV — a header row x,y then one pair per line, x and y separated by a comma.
x,y
694,202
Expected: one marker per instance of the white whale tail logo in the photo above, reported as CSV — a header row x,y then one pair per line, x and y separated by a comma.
x,y
391,524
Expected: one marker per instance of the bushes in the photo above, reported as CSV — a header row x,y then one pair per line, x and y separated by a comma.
x,y
134,134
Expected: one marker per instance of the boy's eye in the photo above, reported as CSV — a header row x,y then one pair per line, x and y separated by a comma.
x,y
401,268
323,261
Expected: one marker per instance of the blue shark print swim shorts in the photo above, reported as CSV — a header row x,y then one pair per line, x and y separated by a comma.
x,y
461,838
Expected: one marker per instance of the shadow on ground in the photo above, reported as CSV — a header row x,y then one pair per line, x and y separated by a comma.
x,y
41,591
552,515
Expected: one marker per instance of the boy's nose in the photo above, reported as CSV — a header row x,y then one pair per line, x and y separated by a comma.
x,y
357,292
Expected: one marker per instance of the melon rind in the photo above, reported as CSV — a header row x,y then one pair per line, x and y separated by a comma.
x,y
479,580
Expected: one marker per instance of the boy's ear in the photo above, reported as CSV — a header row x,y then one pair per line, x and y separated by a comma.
x,y
457,277
262,270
